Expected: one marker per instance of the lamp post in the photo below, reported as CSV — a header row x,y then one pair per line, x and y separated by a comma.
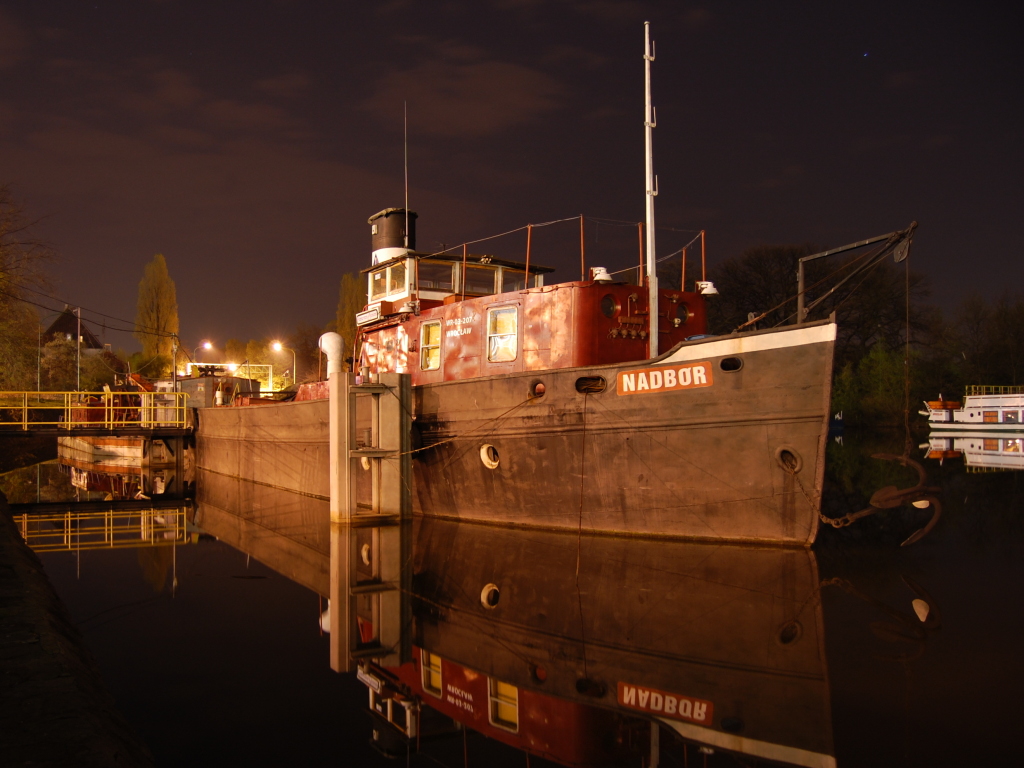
x,y
195,352
277,347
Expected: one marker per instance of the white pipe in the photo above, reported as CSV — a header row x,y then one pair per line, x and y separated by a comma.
x,y
332,345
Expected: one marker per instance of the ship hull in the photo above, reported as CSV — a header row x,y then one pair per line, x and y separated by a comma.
x,y
723,455
739,457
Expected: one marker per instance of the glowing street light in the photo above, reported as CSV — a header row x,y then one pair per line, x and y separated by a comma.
x,y
277,346
205,345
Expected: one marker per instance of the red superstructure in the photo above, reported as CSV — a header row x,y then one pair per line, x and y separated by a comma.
x,y
444,317
562,731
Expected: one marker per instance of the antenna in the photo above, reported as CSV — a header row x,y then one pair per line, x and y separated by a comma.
x,y
650,121
405,142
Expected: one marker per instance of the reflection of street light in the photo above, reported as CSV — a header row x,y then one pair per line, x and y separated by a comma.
x,y
277,347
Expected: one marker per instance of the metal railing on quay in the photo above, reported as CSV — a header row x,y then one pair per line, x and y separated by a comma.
x,y
105,410
113,528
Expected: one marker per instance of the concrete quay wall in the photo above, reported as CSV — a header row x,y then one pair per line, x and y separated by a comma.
x,y
283,445
54,707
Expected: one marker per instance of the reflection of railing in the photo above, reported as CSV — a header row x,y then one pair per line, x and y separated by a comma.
x,y
107,410
985,389
102,529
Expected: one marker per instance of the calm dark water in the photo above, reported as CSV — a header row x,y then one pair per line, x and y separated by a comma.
x,y
214,652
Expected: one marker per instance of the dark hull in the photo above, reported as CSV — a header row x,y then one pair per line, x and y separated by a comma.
x,y
741,459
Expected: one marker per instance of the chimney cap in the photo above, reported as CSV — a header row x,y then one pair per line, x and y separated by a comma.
x,y
388,212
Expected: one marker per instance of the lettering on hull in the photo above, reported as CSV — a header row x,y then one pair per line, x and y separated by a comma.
x,y
670,705
644,381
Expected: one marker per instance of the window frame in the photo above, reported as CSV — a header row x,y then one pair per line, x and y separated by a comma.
x,y
426,668
491,311
494,700
424,347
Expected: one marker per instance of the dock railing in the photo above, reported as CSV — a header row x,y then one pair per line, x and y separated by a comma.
x,y
97,410
985,389
112,528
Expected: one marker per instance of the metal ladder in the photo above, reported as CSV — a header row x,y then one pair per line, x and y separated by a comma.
x,y
371,503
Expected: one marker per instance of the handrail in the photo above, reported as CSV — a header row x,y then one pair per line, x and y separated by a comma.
x,y
108,410
112,528
985,389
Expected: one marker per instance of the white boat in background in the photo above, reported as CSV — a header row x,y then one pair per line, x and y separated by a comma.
x,y
985,408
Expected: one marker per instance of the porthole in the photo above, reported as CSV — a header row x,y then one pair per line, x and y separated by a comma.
x,y
537,389
591,385
729,364
682,314
609,306
789,459
790,632
489,456
589,687
489,596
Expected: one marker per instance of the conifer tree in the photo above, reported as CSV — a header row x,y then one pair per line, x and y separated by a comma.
x,y
156,318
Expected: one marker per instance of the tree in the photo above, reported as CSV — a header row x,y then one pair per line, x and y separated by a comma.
x,y
22,258
156,318
870,309
351,299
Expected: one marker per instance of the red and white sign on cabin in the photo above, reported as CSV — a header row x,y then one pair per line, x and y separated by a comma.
x,y
670,705
665,378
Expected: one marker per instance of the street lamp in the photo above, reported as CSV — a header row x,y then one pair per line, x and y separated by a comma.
x,y
277,347
195,352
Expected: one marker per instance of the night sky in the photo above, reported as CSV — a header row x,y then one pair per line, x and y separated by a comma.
x,y
249,141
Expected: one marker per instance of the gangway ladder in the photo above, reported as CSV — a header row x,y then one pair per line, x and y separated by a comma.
x,y
370,427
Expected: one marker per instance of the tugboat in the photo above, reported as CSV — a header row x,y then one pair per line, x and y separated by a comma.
x,y
566,406
592,405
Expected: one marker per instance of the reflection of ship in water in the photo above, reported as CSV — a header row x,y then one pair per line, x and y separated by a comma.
x,y
566,647
120,468
981,451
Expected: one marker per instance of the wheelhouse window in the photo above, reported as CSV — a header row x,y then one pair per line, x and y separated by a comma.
x,y
430,346
430,671
502,337
512,280
479,281
389,282
436,276
504,705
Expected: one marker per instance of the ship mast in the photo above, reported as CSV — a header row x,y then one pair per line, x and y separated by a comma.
x,y
650,121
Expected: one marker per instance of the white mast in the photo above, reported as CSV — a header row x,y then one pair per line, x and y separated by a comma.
x,y
650,121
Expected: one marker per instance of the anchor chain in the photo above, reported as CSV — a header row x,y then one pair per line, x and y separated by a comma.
x,y
891,497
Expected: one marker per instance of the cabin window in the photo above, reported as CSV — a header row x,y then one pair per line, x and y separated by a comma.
x,y
1011,417
512,280
430,670
1012,446
502,326
990,444
388,281
478,280
504,705
436,276
430,346
990,417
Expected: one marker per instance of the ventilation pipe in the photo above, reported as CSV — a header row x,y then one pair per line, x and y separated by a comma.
x,y
332,345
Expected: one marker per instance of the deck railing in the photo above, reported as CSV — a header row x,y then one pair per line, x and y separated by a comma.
x,y
113,528
984,389
104,410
